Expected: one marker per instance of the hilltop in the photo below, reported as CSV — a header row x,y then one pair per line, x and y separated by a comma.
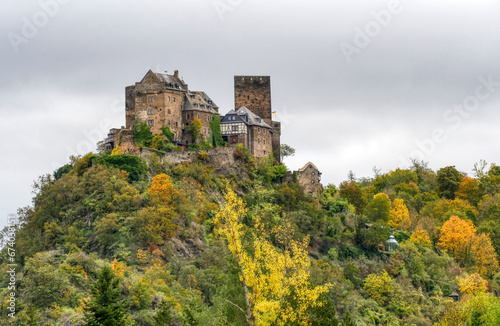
x,y
193,245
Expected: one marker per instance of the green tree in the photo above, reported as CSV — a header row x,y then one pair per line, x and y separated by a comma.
x,y
164,315
448,182
106,306
143,134
286,151
379,209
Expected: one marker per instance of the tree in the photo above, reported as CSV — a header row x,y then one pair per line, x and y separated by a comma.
x,y
400,216
142,134
286,151
379,209
473,284
421,237
164,316
195,129
157,142
456,236
469,190
459,238
275,282
483,255
379,287
162,190
448,182
106,308
354,195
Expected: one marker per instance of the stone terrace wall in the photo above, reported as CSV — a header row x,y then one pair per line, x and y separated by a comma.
x,y
221,159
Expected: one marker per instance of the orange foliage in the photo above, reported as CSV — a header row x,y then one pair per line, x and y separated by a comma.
x,y
459,238
162,190
456,236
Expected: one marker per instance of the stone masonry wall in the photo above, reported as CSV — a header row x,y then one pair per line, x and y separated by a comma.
x,y
254,92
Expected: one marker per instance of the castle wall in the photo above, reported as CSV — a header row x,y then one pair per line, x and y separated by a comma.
x,y
159,109
260,141
276,140
188,117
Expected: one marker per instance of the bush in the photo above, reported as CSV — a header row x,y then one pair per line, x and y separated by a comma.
x,y
135,166
203,156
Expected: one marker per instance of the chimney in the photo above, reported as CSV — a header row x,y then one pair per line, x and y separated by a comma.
x,y
176,74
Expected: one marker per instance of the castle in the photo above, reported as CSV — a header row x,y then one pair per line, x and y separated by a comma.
x,y
160,99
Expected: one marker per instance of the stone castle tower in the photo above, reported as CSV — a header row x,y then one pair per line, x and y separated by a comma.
x,y
254,93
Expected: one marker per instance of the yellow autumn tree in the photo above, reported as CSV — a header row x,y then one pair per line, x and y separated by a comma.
x,y
118,268
456,236
379,286
483,255
459,238
400,216
162,190
473,284
271,277
421,237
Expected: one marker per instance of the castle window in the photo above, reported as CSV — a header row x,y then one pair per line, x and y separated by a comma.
x,y
264,140
168,111
248,97
312,173
169,98
188,115
151,122
196,105
150,99
151,111
176,124
192,96
174,99
198,115
234,128
312,181
169,122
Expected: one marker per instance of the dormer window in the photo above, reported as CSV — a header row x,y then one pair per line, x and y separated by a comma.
x,y
192,96
258,119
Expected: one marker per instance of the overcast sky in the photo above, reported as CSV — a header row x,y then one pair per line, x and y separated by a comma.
x,y
356,84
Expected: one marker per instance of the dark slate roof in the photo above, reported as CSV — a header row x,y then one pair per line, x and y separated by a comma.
x,y
199,101
247,117
171,80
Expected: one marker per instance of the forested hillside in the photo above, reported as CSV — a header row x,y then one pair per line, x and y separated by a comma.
x,y
118,240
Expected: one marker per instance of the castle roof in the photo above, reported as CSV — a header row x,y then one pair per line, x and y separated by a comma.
x,y
307,165
199,101
247,116
172,80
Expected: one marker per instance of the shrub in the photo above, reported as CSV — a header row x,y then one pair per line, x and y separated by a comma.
x,y
135,166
